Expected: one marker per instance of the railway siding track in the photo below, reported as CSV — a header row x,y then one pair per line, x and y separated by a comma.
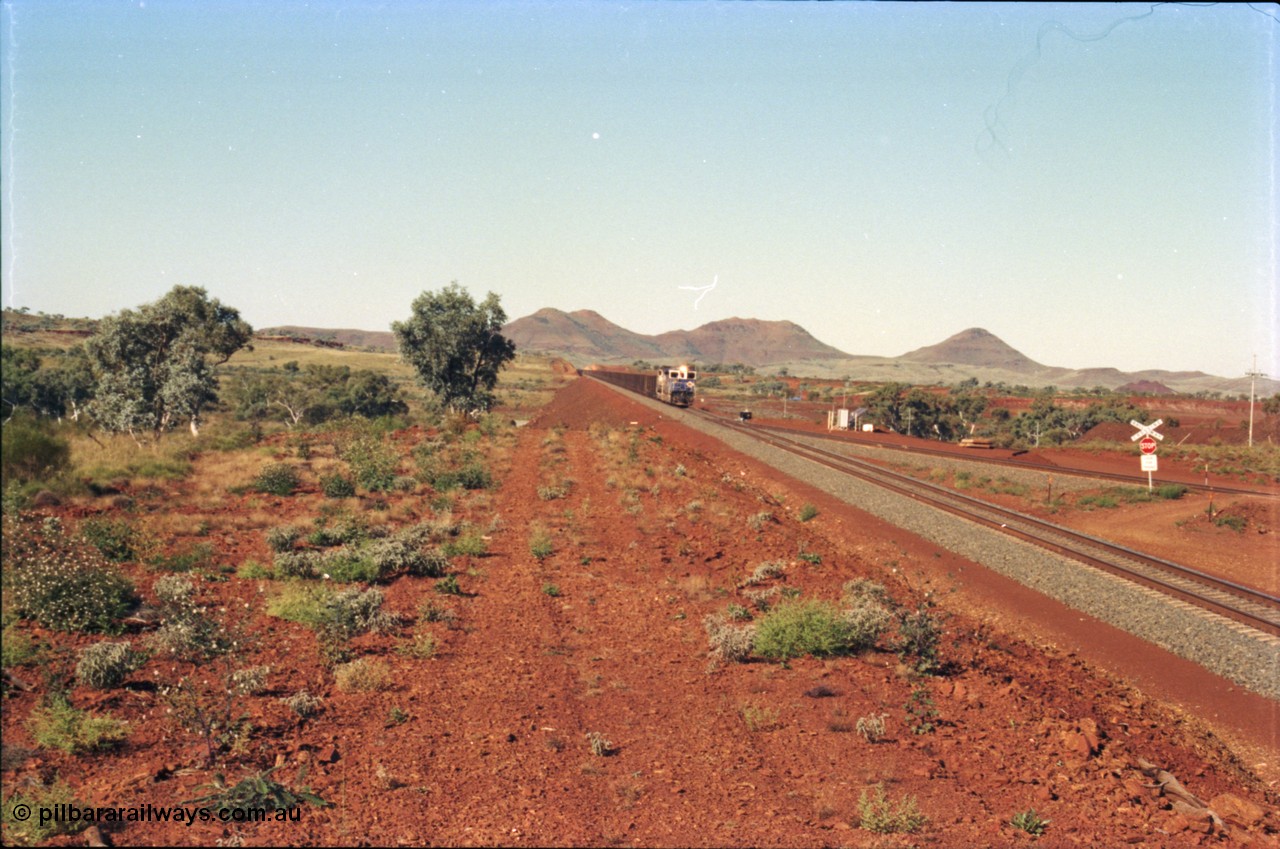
x,y
1010,465
1239,652
1247,605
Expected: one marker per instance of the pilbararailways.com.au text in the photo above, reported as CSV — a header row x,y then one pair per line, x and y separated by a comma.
x,y
181,814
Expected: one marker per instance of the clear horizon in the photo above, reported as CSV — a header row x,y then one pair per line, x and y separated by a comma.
x,y
1094,183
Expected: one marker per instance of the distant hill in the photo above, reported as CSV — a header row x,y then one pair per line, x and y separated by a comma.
x,y
581,336
975,347
377,340
1145,387
586,337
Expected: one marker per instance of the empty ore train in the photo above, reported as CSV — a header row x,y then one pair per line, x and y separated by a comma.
x,y
673,384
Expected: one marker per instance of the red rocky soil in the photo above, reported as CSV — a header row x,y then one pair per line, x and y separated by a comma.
x,y
494,748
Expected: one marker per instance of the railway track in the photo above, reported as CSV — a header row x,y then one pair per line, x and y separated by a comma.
x,y
979,457
1247,605
1252,608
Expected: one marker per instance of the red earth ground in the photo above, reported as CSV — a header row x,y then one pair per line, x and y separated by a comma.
x,y
486,742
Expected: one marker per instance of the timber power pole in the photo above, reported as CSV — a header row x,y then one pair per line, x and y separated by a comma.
x,y
1253,375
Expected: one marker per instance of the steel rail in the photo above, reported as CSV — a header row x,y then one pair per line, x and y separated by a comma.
x,y
977,457
1248,605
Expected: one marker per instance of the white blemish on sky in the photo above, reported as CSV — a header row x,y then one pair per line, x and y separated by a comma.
x,y
701,290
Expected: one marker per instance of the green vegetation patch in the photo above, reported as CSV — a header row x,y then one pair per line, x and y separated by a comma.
x,y
57,725
61,584
810,627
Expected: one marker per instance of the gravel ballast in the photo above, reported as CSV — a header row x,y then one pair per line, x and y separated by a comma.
x,y
1227,648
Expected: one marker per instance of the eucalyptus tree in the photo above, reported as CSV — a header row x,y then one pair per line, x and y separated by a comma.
x,y
456,346
154,366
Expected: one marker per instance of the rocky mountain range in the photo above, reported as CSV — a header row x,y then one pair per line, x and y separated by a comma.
x,y
584,337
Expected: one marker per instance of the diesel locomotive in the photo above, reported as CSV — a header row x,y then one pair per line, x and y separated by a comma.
x,y
674,384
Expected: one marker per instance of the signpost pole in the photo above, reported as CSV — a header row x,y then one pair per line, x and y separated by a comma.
x,y
1146,438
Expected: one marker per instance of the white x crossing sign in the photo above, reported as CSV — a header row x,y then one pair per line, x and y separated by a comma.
x,y
1146,430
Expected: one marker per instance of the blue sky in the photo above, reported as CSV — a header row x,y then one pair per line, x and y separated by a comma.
x,y
1093,183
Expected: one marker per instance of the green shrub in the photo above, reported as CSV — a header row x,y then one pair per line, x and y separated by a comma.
x,y
296,564
106,665
552,590
282,538
116,539
400,555
355,611
1030,822
872,727
808,512
175,593
252,570
251,680
348,529
599,744
303,704
63,586
877,814
919,633
433,612
185,632
348,566
1169,492
197,556
337,486
1230,520
766,571
540,544
758,718
797,628
336,617
863,589
726,642
433,564
363,676
255,793
921,712
17,648
422,647
37,796
57,725
448,585
277,479
550,492
30,452
866,619
371,461
470,475
468,544
302,603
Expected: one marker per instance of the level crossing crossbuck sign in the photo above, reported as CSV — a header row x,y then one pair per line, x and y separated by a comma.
x,y
1146,438
1146,430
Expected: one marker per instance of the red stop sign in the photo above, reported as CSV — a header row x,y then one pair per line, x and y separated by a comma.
x,y
1147,444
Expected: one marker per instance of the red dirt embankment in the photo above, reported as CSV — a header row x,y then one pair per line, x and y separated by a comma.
x,y
653,529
